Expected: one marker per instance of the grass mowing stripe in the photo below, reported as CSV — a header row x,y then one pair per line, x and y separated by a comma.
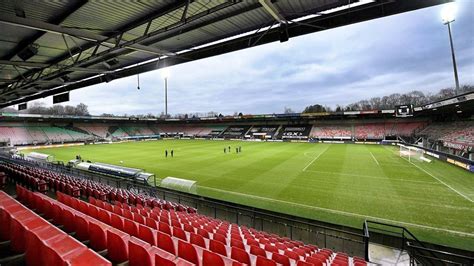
x,y
341,212
464,196
312,161
374,158
370,176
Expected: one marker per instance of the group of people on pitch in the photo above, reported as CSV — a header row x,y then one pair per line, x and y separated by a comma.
x,y
237,149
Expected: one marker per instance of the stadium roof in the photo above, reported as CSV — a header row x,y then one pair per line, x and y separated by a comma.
x,y
58,46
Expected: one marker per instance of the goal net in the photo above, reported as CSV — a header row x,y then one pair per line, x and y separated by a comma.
x,y
179,184
412,154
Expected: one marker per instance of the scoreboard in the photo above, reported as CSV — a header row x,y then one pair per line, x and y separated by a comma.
x,y
404,110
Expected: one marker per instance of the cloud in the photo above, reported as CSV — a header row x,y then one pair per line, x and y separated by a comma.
x,y
339,66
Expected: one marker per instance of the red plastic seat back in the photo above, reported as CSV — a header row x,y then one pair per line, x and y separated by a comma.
x,y
160,261
165,242
217,247
117,247
281,259
197,240
261,261
81,228
130,227
179,233
240,255
165,228
98,237
258,251
211,258
146,234
187,252
138,253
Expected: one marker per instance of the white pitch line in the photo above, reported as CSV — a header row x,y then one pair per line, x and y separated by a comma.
x,y
343,212
312,161
373,157
459,193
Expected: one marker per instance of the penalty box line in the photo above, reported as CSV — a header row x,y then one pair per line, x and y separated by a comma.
x,y
439,180
315,158
342,212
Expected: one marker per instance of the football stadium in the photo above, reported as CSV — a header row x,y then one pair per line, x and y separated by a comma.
x,y
387,182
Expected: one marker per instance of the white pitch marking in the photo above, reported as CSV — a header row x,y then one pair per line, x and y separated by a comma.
x,y
459,193
343,212
373,157
312,161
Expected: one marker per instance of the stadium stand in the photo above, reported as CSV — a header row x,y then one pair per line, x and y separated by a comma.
x,y
331,132
95,129
457,135
295,132
121,226
235,132
369,131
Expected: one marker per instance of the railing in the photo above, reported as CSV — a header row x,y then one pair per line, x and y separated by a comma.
x,y
401,238
436,257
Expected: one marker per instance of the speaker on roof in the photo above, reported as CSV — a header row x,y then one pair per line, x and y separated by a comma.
x,y
22,106
283,30
28,52
61,98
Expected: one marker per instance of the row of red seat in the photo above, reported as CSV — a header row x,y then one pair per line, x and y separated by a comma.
x,y
42,243
228,240
40,179
148,242
166,228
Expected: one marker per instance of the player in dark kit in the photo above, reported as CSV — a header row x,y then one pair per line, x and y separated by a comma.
x,y
166,153
172,152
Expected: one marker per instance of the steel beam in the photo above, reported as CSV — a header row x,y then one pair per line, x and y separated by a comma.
x,y
57,29
43,65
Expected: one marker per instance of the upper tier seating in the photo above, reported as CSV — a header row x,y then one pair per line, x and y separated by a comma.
x,y
460,132
331,131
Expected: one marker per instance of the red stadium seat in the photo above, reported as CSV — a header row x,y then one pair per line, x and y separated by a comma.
x,y
187,252
211,258
116,221
151,223
179,233
117,246
81,227
130,227
220,237
303,263
281,259
197,240
138,253
146,234
98,237
257,251
160,261
165,228
315,261
165,242
217,247
240,255
261,261
104,216
237,243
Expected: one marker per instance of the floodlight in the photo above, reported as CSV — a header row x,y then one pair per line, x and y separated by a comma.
x,y
449,13
165,73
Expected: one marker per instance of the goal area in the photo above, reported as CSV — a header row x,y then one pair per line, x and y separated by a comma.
x,y
413,154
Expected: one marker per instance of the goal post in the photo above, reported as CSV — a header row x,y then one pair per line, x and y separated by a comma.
x,y
412,154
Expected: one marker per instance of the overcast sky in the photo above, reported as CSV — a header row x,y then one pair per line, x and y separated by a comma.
x,y
339,66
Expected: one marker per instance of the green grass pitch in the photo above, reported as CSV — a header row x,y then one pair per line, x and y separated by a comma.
x,y
337,183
